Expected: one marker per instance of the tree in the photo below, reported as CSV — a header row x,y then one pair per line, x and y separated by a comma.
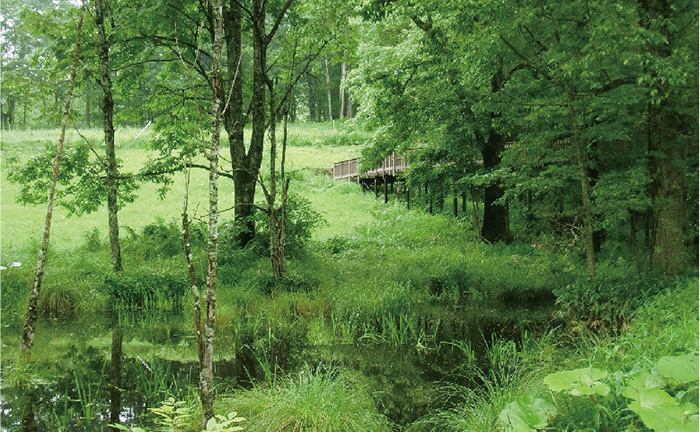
x,y
102,10
29,326
670,70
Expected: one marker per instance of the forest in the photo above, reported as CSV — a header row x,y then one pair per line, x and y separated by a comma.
x,y
345,216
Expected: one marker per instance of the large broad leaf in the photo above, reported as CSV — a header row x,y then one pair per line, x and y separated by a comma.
x,y
578,382
527,414
683,369
659,411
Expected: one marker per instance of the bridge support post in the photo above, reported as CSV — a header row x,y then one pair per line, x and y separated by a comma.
x,y
454,205
376,192
408,198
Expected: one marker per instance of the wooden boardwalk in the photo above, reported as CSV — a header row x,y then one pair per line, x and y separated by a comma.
x,y
350,169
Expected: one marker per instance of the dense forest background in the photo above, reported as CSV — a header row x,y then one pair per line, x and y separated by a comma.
x,y
553,153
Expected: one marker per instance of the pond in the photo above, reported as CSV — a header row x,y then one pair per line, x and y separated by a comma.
x,y
73,370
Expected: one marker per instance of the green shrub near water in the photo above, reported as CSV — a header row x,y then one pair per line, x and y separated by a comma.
x,y
146,288
315,400
663,329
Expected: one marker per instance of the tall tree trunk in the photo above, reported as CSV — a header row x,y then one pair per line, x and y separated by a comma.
x,y
341,92
667,153
313,116
350,107
206,372
29,327
328,91
104,45
496,224
242,164
582,159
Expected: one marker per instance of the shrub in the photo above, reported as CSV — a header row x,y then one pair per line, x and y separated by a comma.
x,y
608,302
290,282
302,219
145,288
160,239
312,400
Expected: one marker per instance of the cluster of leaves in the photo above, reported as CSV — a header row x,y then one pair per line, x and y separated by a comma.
x,y
607,303
302,219
81,179
665,400
174,416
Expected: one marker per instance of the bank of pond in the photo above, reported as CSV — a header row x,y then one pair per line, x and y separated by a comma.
x,y
403,324
443,365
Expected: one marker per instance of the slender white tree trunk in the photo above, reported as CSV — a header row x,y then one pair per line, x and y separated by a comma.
x,y
29,326
341,93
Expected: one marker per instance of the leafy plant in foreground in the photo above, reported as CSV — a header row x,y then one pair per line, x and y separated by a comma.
x,y
664,401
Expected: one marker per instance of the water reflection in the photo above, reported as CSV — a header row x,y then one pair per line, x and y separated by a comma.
x,y
115,373
116,367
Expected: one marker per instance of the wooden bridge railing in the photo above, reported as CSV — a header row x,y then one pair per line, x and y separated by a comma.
x,y
350,169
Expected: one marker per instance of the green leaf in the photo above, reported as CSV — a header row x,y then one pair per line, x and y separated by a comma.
x,y
683,369
659,411
527,414
578,382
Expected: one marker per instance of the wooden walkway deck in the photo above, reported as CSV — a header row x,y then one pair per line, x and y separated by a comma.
x,y
350,169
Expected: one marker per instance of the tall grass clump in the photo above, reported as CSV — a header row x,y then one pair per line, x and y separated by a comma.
x,y
509,373
313,400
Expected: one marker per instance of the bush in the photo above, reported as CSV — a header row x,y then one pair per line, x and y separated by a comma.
x,y
302,219
161,240
607,303
313,400
290,282
145,288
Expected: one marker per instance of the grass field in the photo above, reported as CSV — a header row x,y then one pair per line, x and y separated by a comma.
x,y
311,153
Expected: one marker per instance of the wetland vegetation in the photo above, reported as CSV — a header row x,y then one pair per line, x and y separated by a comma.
x,y
534,269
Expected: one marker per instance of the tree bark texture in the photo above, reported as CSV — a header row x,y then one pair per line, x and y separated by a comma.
x,y
104,45
29,326
341,92
243,164
206,372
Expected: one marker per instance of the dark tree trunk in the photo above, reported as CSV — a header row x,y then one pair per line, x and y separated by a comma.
x,y
108,111
667,149
311,98
586,196
496,223
243,165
